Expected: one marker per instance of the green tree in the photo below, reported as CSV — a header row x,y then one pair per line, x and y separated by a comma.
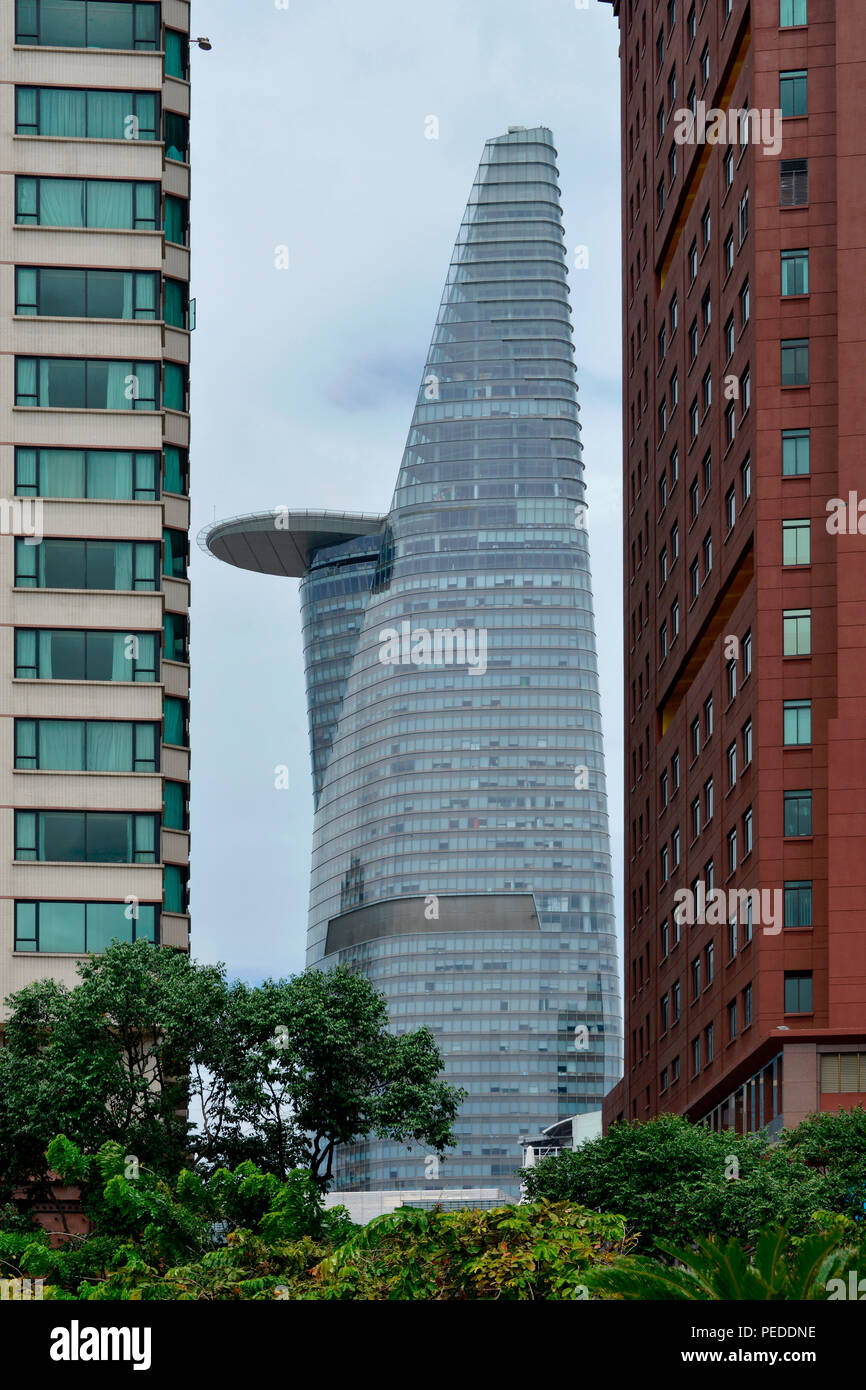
x,y
679,1181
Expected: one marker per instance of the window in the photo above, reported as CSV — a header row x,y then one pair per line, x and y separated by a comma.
x,y
708,555
176,220
708,717
696,977
131,24
674,315
111,203
710,962
707,391
79,928
660,48
730,338
176,554
175,722
729,252
696,1056
696,737
693,340
732,764
730,423
672,14
709,1043
675,1001
660,197
693,99
732,1020
675,1070
664,861
732,938
694,421
747,743
705,228
663,789
663,342
663,418
730,508
175,637
693,262
75,655
743,217
797,632
87,837
747,655
796,542
175,806
732,850
672,90
176,382
691,25
798,814
175,470
176,136
791,13
795,453
748,835
83,564
663,640
694,580
176,303
747,1006
663,943
675,542
694,499
77,383
798,992
675,770
798,903
795,272
745,304
78,114
728,167
793,182
705,65
86,745
708,800
797,722
675,849
175,895
706,309
672,164
105,473
83,294
663,1080
731,677
660,122
696,817
663,566
793,98
176,54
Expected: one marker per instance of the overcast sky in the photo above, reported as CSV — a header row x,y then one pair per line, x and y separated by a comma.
x,y
308,131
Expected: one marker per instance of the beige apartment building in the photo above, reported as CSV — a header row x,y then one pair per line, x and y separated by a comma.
x,y
94,511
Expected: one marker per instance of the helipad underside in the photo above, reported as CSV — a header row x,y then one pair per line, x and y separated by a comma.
x,y
282,542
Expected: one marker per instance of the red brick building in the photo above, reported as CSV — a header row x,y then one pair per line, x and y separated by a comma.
x,y
744,353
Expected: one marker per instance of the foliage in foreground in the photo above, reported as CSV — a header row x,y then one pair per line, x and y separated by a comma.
x,y
280,1072
677,1181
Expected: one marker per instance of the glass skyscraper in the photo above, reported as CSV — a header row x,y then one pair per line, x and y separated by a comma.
x,y
461,854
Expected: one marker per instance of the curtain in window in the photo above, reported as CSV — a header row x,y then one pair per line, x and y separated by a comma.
x,y
175,220
144,829
25,290
61,745
145,566
25,200
106,112
116,394
62,112
123,564
127,301
174,387
25,743
61,927
109,203
145,296
147,388
146,206
26,393
174,54
62,203
109,746
147,653
46,648
174,721
25,111
109,474
173,888
173,470
25,472
61,473
173,805
145,110
26,662
122,666
62,23
145,747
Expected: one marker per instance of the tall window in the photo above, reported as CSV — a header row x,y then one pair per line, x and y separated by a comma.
x,y
793,94
798,992
792,12
176,220
90,114
798,813
176,136
795,362
795,272
798,903
82,294
797,632
132,24
796,542
176,54
76,383
793,182
110,203
105,473
795,453
75,655
175,722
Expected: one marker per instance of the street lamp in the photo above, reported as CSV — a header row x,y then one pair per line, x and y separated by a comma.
x,y
204,44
